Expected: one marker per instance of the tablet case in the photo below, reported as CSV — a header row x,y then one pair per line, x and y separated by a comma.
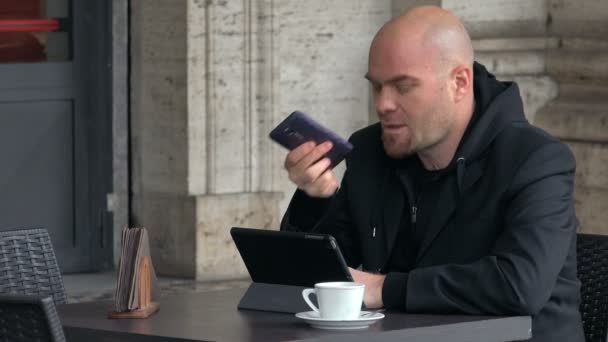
x,y
282,264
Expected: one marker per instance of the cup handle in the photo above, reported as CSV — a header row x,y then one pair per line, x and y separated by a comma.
x,y
306,294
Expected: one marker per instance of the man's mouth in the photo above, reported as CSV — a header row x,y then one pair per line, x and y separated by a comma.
x,y
392,127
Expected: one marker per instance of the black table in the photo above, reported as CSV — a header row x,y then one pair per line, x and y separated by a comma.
x,y
213,316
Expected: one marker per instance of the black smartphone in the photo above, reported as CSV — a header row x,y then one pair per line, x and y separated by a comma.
x,y
299,128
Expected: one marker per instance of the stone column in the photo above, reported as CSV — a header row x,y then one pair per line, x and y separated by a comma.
x,y
231,103
159,139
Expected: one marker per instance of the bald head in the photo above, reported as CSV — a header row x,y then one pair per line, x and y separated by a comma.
x,y
433,31
421,72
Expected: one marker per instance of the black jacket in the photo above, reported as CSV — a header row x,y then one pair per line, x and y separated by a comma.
x,y
502,237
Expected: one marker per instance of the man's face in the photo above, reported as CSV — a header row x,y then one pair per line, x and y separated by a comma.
x,y
410,97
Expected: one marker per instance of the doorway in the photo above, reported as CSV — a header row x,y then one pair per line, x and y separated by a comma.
x,y
56,126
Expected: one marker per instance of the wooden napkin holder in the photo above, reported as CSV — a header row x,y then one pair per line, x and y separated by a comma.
x,y
146,306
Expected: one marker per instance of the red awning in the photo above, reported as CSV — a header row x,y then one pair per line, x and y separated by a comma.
x,y
28,25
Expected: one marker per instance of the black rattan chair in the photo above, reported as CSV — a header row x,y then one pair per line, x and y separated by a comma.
x,y
28,265
29,319
592,254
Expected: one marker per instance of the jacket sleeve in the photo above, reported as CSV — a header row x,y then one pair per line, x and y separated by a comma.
x,y
327,216
520,272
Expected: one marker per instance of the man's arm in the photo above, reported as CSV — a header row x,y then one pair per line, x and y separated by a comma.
x,y
519,274
318,205
325,215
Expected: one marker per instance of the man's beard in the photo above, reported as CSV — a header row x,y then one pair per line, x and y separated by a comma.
x,y
395,148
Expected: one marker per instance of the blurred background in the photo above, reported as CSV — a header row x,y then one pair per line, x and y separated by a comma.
x,y
156,113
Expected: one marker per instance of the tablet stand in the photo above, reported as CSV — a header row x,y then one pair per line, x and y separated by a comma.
x,y
274,297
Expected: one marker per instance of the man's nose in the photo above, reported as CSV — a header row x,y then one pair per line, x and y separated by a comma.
x,y
385,101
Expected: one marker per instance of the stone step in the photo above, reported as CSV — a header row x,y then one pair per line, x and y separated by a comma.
x,y
572,120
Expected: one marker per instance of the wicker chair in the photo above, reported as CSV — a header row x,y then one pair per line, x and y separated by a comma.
x,y
592,265
28,265
29,318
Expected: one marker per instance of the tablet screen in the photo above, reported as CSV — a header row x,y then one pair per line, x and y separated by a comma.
x,y
290,258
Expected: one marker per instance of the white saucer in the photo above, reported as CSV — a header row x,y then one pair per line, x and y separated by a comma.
x,y
366,318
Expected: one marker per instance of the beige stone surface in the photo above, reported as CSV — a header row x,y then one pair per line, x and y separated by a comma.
x,y
591,164
515,44
513,62
584,91
578,120
230,87
158,105
578,18
159,134
536,92
497,18
591,208
170,220
400,6
216,255
578,65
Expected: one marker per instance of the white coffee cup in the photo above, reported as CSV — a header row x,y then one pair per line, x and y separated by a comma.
x,y
337,300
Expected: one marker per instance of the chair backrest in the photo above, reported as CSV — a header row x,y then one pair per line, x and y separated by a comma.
x,y
592,255
29,318
28,265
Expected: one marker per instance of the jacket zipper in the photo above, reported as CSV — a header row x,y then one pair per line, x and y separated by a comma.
x,y
414,210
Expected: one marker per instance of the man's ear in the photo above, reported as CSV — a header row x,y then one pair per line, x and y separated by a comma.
x,y
462,81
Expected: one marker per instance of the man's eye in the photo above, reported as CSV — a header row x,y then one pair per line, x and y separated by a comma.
x,y
376,87
402,88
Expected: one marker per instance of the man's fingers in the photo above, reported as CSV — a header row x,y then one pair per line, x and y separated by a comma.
x,y
329,182
314,155
307,169
311,174
299,160
295,155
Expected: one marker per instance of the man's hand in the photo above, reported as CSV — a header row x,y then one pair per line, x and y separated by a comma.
x,y
309,173
373,287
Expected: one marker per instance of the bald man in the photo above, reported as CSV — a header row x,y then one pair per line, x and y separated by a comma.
x,y
453,202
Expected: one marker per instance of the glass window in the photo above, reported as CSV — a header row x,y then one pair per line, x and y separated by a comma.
x,y
34,31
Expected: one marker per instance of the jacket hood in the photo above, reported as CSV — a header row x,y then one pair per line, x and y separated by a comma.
x,y
497,105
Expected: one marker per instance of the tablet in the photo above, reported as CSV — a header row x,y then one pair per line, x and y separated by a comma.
x,y
290,258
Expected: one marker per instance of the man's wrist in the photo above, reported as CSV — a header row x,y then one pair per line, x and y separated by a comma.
x,y
394,290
